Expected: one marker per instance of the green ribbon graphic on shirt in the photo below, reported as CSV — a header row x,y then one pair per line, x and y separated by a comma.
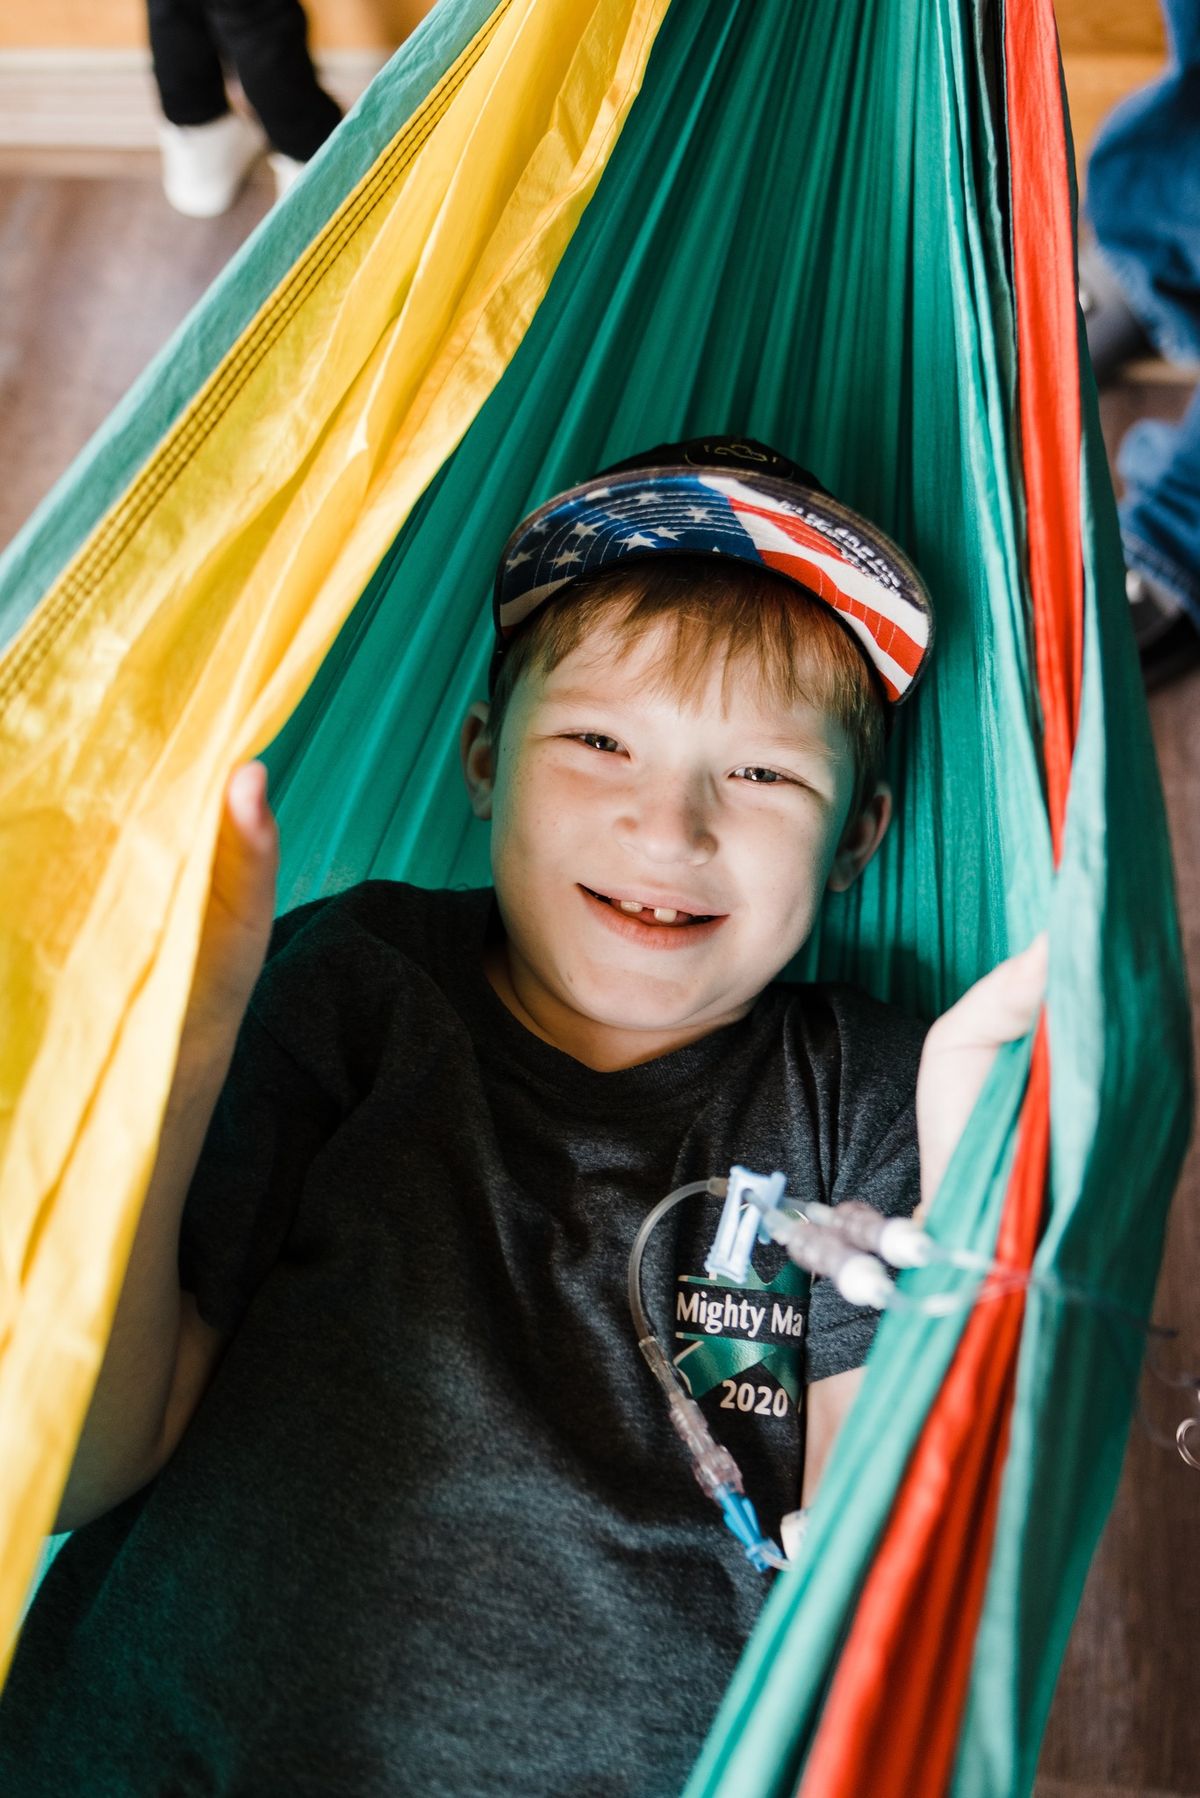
x,y
730,1329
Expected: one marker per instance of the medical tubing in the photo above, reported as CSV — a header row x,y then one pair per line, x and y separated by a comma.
x,y
859,1277
715,1187
849,1242
896,1240
714,1466
717,1473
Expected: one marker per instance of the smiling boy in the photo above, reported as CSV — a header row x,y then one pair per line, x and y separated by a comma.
x,y
375,1494
651,880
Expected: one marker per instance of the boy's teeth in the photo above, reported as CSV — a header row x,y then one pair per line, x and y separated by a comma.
x,y
665,914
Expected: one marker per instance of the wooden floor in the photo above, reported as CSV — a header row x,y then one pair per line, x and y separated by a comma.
x,y
95,272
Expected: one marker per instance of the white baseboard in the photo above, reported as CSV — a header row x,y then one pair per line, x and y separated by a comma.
x,y
106,99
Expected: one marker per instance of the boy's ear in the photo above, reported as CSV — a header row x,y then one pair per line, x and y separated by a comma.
x,y
861,838
478,760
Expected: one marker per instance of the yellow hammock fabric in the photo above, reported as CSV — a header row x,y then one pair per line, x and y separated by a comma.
x,y
183,634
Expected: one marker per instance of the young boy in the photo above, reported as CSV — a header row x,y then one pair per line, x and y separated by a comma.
x,y
376,1494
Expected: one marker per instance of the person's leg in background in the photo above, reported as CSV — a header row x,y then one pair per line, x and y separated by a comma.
x,y
267,42
207,149
1143,193
1159,465
1143,201
187,62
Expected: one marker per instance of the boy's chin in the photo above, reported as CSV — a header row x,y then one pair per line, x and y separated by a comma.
x,y
627,1001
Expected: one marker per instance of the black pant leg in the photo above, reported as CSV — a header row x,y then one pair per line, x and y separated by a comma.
x,y
267,42
187,64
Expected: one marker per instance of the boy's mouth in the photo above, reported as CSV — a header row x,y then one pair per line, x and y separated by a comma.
x,y
669,917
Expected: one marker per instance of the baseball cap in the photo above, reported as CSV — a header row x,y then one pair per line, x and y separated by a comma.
x,y
731,497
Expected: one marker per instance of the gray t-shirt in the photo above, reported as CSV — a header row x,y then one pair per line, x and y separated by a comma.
x,y
430,1530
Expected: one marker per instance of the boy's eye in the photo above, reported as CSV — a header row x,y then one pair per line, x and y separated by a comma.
x,y
596,737
761,776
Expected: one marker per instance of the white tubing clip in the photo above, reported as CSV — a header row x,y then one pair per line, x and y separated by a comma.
x,y
747,1200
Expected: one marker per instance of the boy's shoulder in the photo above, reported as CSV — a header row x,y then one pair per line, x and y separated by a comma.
x,y
870,1041
336,962
392,914
856,1059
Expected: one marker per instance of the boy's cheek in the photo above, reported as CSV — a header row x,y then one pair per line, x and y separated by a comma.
x,y
519,838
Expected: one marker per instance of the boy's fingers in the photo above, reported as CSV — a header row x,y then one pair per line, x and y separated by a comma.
x,y
237,923
246,801
1004,1004
962,1046
249,836
247,853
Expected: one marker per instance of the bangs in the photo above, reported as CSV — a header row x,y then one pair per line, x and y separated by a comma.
x,y
761,626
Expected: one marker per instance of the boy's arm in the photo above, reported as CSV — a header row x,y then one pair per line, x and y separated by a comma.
x,y
957,1057
160,1353
960,1049
826,1404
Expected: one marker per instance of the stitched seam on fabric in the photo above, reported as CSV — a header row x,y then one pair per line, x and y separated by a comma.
x,y
123,523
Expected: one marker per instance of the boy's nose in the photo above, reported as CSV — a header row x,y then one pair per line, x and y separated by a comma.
x,y
668,824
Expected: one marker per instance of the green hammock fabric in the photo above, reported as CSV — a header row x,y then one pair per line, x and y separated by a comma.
x,y
802,235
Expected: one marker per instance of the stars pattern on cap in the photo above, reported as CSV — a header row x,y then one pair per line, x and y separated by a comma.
x,y
714,511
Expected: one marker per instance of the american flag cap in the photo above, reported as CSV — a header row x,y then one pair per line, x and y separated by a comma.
x,y
731,497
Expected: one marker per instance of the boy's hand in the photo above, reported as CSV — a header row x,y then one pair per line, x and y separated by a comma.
x,y
961,1048
241,909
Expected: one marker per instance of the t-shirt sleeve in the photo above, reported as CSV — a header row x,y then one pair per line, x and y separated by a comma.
x,y
272,1118
877,1162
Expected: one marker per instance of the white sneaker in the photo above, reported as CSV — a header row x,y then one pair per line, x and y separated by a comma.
x,y
204,167
287,171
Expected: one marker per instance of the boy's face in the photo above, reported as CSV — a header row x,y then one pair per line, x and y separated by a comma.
x,y
606,789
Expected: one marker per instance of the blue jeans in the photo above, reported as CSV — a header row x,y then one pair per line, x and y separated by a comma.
x,y
1143,198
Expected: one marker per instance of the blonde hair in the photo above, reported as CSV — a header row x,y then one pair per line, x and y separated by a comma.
x,y
749,616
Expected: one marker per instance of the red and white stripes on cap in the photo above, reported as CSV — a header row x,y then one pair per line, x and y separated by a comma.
x,y
734,498
893,626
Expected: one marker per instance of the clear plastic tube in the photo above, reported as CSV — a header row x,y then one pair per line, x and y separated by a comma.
x,y
716,1188
717,1473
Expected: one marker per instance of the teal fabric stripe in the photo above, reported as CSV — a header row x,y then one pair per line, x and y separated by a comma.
x,y
100,474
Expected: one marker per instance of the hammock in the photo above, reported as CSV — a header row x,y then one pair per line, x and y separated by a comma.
x,y
844,231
